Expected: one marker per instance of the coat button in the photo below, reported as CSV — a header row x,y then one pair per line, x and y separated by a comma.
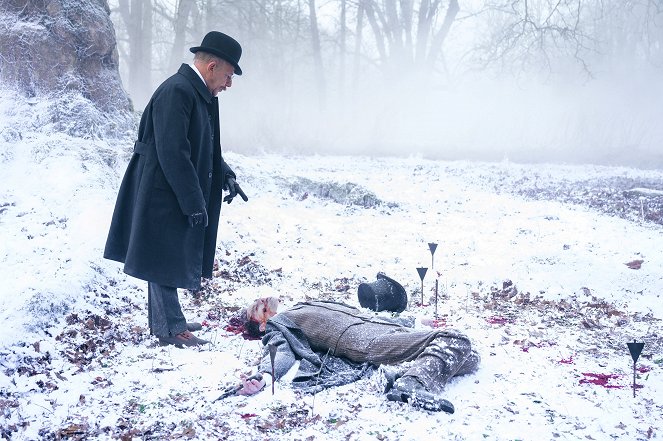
x,y
210,175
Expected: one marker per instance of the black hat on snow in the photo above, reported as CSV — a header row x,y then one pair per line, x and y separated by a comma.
x,y
385,294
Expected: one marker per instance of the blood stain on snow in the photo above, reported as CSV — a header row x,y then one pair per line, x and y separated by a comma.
x,y
497,320
566,360
601,380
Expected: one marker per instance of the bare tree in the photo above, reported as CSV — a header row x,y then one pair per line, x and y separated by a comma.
x,y
137,18
359,33
343,43
184,9
629,33
406,31
441,35
526,34
317,52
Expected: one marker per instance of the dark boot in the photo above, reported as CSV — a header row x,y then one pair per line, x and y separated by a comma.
x,y
410,390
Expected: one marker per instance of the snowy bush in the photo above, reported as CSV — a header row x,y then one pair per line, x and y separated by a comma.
x,y
61,159
345,194
69,113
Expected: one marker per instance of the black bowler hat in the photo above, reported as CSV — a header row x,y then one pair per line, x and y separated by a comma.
x,y
223,46
385,294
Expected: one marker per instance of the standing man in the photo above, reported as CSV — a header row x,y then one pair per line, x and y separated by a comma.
x,y
167,212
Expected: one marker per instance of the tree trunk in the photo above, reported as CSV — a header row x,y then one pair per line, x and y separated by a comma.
x,y
424,23
392,28
407,12
438,40
342,48
359,32
317,52
184,9
370,10
137,17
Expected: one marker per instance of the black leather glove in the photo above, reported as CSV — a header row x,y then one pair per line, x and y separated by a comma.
x,y
230,188
198,219
233,190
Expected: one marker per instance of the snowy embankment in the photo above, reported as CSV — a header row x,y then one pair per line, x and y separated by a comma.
x,y
538,278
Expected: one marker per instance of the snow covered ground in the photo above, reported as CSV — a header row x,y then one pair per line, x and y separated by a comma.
x,y
531,264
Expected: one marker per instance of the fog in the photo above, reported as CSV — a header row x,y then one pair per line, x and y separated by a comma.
x,y
499,89
605,122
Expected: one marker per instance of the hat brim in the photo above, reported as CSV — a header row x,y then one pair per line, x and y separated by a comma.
x,y
223,56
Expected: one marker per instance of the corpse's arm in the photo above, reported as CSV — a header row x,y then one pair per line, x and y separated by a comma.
x,y
283,361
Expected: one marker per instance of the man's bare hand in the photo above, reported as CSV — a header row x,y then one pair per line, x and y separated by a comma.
x,y
251,385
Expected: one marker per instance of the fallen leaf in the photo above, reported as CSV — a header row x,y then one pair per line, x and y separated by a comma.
x,y
73,429
590,324
634,264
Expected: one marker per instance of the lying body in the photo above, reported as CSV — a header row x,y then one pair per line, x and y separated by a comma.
x,y
307,330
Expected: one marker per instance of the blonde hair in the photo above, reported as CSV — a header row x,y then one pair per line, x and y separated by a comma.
x,y
260,307
261,310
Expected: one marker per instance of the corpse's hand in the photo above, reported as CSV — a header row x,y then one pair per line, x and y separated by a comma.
x,y
251,385
233,189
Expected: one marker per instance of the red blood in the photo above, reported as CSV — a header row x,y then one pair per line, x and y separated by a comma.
x,y
497,320
236,326
566,360
601,380
234,329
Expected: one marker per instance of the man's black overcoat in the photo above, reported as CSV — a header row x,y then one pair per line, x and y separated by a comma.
x,y
176,170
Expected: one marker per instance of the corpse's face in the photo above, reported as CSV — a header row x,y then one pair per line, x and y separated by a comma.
x,y
262,310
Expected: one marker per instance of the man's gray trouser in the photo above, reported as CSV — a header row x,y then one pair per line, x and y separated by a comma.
x,y
164,313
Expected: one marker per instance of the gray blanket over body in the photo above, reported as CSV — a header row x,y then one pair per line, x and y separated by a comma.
x,y
317,371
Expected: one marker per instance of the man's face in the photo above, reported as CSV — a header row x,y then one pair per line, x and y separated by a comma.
x,y
220,76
